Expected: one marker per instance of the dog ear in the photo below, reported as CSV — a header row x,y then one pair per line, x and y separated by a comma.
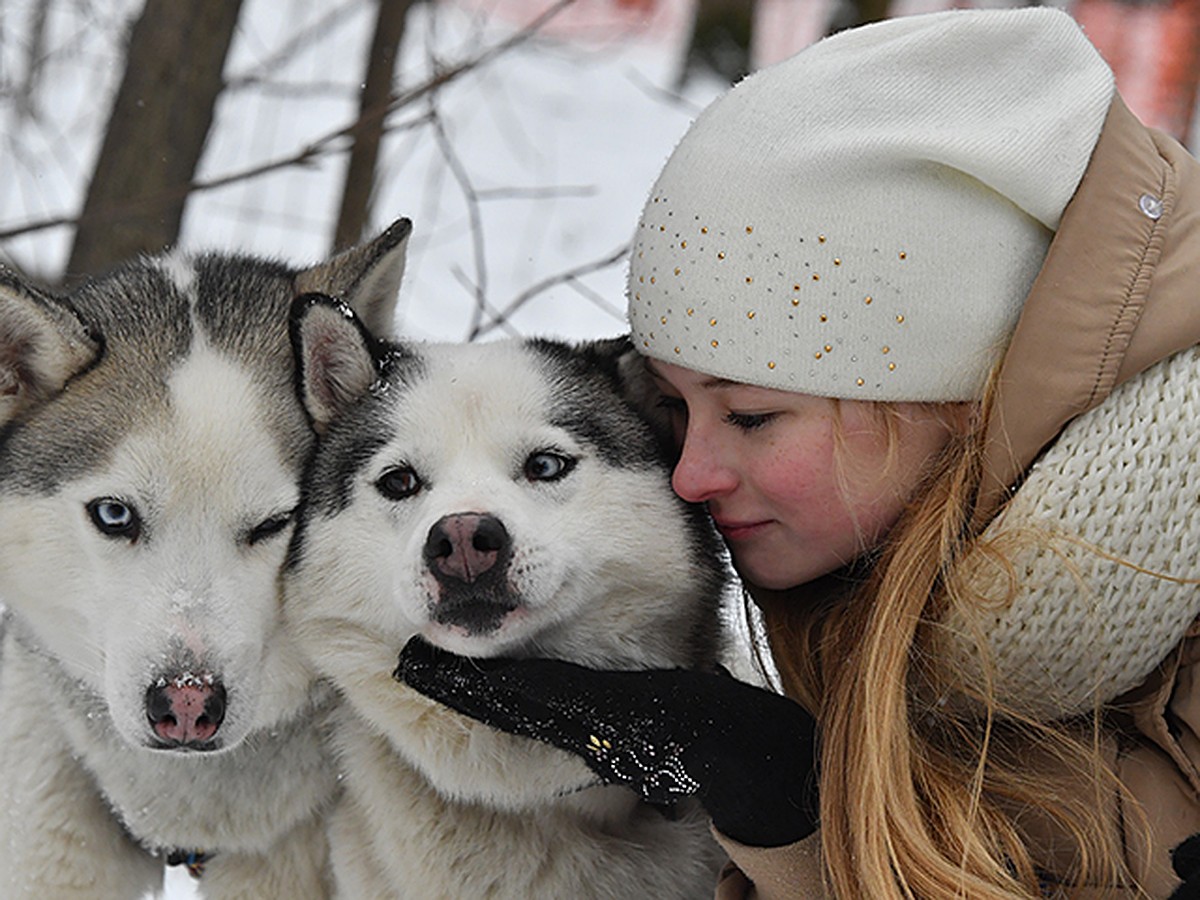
x,y
639,389
42,345
365,277
612,356
618,358
336,357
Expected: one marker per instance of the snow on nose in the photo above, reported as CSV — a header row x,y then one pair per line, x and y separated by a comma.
x,y
186,710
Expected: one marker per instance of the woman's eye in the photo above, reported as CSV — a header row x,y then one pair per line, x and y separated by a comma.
x,y
268,528
748,421
398,483
547,466
115,518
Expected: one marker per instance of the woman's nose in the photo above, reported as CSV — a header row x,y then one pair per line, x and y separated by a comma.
x,y
701,473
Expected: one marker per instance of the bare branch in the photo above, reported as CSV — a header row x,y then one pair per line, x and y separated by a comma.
x,y
317,30
35,57
305,156
325,144
500,319
548,192
595,297
459,172
461,277
673,97
292,90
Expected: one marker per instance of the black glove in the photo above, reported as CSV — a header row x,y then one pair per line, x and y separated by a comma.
x,y
747,754
1185,859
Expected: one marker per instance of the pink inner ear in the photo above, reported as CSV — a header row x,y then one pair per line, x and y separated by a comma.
x,y
40,348
10,385
16,351
337,368
321,369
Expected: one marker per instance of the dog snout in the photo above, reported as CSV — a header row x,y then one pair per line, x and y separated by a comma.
x,y
186,710
462,547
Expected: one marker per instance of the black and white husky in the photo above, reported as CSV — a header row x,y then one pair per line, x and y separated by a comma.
x,y
504,498
151,706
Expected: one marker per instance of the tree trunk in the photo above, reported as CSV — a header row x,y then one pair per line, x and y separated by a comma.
x,y
873,11
720,41
853,13
156,132
355,212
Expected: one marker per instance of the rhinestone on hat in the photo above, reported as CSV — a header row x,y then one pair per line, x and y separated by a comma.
x,y
851,288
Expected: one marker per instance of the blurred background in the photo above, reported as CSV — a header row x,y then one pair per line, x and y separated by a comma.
x,y
521,136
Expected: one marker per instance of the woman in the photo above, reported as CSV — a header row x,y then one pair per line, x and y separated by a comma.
x,y
918,301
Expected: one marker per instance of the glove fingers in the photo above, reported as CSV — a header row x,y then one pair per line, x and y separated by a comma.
x,y
665,733
471,687
546,688
557,703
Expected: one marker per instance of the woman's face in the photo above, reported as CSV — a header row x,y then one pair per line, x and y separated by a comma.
x,y
790,506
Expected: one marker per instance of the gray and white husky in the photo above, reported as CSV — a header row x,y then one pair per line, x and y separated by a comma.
x,y
498,499
151,445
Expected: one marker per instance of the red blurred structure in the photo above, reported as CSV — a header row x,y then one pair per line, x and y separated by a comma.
x,y
1154,49
1152,45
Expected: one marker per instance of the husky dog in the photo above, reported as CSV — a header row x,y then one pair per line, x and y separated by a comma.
x,y
151,706
498,499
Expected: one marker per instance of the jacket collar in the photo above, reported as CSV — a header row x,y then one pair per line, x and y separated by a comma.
x,y
1102,309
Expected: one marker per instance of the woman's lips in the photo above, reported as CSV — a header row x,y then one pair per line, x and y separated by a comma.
x,y
739,531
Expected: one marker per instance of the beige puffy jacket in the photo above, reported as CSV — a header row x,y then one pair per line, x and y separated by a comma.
x,y
1119,292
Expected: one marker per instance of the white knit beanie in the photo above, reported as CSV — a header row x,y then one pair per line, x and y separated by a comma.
x,y
865,219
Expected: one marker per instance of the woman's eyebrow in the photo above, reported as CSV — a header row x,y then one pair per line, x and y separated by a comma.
x,y
712,383
718,383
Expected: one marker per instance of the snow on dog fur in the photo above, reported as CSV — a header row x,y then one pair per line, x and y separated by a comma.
x,y
151,445
498,499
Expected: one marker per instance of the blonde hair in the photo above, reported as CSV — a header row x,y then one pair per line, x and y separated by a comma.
x,y
920,798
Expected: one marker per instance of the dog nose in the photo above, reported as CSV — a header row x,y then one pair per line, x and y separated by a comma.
x,y
186,710
463,546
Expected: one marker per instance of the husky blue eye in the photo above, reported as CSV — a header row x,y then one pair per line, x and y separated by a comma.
x,y
547,466
115,518
398,483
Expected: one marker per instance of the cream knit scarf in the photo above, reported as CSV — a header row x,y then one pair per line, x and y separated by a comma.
x,y
1102,542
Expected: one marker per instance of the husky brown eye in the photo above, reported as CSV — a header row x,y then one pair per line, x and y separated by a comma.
x,y
115,518
398,483
548,466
